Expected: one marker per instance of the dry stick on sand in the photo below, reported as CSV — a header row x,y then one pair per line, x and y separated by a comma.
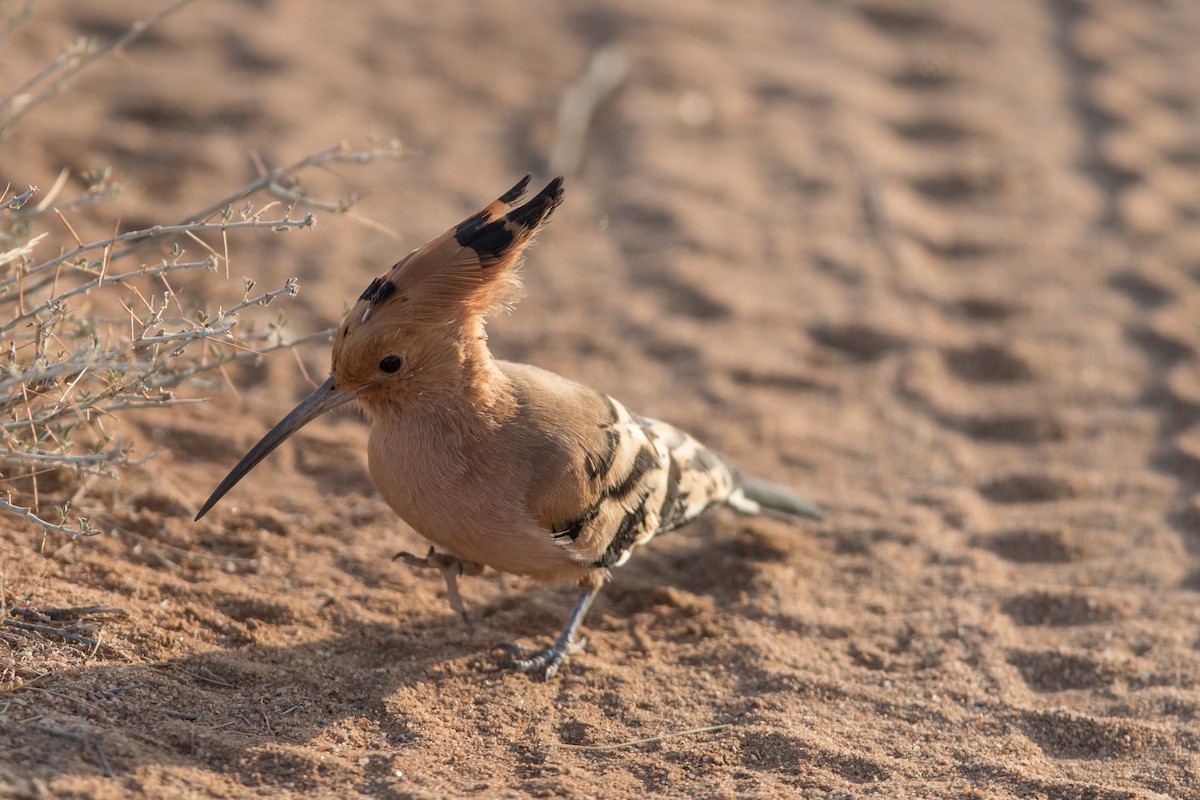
x,y
69,624
604,75
635,742
78,736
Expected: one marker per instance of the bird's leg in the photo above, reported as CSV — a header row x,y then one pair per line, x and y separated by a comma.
x,y
451,567
547,660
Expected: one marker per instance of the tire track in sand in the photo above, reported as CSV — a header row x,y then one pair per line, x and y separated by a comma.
x,y
980,184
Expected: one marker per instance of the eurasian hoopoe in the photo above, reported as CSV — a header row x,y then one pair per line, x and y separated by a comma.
x,y
501,464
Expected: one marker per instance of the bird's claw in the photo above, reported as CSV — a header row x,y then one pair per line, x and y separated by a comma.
x,y
545,660
451,567
439,561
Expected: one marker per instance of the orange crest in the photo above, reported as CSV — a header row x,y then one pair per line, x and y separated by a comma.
x,y
442,291
469,270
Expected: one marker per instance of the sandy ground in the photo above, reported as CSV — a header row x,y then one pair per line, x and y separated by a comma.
x,y
936,263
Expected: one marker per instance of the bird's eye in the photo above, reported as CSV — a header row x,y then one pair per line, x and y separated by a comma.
x,y
390,363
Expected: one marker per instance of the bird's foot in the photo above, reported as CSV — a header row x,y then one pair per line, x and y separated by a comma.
x,y
544,661
547,660
451,567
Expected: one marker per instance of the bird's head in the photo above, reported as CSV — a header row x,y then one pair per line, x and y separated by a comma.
x,y
411,330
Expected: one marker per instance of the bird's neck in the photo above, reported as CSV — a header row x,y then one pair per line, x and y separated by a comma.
x,y
483,387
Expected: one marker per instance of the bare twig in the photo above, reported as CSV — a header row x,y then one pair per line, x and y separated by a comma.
x,y
648,740
190,716
75,57
605,74
69,624
50,630
334,154
98,195
13,20
51,613
84,523
16,201
209,264
108,770
177,378
155,234
46,727
21,251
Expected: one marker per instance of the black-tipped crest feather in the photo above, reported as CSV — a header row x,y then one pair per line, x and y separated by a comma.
x,y
515,193
470,269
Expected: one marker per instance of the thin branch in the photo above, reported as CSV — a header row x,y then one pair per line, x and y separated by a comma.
x,y
647,740
154,233
13,20
20,97
98,195
333,154
19,200
21,251
71,62
85,523
154,377
176,378
22,456
50,630
289,288
605,73
209,264
69,614
296,198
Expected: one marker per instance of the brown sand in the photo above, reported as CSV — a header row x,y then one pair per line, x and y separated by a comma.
x,y
936,263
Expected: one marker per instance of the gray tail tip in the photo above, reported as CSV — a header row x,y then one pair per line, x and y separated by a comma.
x,y
780,500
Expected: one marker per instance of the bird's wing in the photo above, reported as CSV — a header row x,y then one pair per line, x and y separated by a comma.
x,y
602,480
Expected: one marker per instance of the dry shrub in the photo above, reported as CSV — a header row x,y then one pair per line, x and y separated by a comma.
x,y
67,368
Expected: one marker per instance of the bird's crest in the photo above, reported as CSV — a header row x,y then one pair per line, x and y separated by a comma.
x,y
466,272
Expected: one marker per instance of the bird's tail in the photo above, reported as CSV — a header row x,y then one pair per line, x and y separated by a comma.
x,y
755,496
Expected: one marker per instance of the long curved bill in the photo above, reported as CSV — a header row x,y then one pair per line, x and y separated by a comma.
x,y
324,398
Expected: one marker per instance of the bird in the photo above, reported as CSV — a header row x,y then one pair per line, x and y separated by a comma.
x,y
502,464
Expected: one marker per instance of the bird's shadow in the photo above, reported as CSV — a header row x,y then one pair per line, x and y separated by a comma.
x,y
218,707
223,709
